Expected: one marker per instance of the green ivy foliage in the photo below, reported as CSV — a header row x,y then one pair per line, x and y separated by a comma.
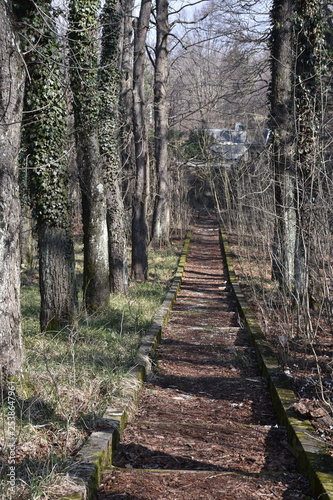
x,y
109,87
83,44
311,65
44,137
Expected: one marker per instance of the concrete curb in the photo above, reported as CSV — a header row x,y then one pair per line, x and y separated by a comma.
x,y
96,454
312,457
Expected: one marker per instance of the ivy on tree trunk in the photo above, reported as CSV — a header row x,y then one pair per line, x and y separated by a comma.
x,y
46,159
83,38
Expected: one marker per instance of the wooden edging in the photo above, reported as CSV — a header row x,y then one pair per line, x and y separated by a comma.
x,y
96,455
312,457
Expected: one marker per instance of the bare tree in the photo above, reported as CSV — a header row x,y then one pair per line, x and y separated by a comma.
x,y
140,197
161,216
283,146
309,89
126,102
109,92
12,75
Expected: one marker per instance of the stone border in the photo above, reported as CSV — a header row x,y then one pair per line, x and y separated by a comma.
x,y
312,457
96,455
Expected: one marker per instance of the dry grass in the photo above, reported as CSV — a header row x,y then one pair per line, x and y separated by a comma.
x,y
71,376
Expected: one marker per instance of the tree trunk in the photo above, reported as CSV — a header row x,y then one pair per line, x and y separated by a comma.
x,y
126,103
11,101
109,81
96,287
28,244
56,277
45,144
83,41
282,124
140,197
308,92
161,217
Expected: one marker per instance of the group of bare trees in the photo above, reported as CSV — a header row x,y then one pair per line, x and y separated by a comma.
x,y
282,196
282,191
74,92
300,61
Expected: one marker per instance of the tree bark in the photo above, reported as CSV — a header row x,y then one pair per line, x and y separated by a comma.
x,y
308,91
12,77
44,144
56,277
161,216
83,25
126,103
140,197
96,288
282,125
109,81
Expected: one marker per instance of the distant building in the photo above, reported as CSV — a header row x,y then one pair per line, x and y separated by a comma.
x,y
231,145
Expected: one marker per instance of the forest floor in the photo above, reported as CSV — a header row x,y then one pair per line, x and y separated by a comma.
x,y
205,426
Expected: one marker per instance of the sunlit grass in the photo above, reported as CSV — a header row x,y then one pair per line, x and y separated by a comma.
x,y
72,376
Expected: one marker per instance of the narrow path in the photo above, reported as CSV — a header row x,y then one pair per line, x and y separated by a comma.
x,y
205,426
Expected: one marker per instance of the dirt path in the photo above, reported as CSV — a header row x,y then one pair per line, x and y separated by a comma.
x,y
205,427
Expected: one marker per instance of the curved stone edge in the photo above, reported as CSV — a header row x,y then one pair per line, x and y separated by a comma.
x,y
96,454
312,457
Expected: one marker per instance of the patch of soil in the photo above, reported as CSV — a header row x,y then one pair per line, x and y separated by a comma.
x,y
245,401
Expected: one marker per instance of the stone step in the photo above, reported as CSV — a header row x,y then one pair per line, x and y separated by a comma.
x,y
189,446
171,398
157,484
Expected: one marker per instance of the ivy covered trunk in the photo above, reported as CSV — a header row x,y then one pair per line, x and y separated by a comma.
x,y
309,82
141,191
11,99
283,160
46,160
161,216
109,89
83,43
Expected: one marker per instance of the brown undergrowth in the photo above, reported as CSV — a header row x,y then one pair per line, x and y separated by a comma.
x,y
306,359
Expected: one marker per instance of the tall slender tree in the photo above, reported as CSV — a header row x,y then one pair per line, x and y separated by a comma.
x,y
283,147
161,216
140,197
84,62
297,87
109,91
126,102
309,86
12,76
46,160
